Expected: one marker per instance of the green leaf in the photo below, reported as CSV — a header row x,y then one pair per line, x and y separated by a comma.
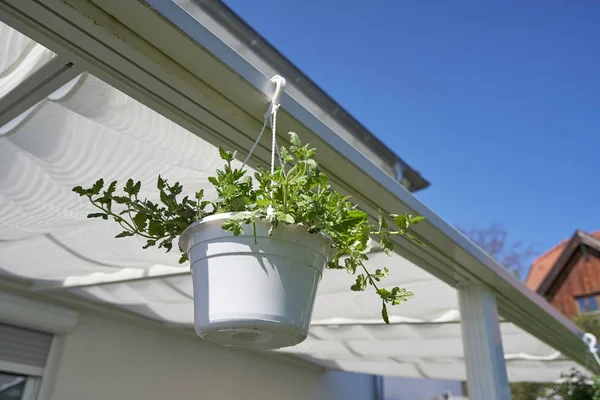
x,y
166,244
312,163
98,215
295,139
288,218
160,183
183,258
360,284
137,187
379,274
97,187
155,228
401,295
129,187
112,187
384,313
401,221
382,222
124,234
396,296
386,245
414,239
175,189
164,198
417,219
140,220
79,190
232,225
348,223
121,199
351,265
149,243
238,203
263,202
225,155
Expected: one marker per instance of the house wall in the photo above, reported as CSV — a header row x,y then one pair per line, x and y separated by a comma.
x,y
418,389
107,358
582,279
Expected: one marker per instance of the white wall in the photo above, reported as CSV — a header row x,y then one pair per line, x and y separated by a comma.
x,y
346,385
114,359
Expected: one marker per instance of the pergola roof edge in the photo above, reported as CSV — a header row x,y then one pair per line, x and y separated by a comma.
x,y
201,82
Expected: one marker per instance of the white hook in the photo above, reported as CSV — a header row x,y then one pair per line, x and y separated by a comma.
x,y
279,88
279,82
590,341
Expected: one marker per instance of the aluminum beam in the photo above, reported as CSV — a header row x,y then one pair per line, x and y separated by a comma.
x,y
48,78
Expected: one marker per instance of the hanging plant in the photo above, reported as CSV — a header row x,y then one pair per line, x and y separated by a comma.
x,y
294,204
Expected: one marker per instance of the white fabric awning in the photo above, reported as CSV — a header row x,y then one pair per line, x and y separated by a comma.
x,y
87,130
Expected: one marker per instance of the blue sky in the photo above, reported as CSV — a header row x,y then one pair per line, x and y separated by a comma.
x,y
496,103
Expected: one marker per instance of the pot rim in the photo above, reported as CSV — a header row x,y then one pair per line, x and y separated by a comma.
x,y
222,216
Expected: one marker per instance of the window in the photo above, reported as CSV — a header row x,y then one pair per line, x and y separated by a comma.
x,y
18,387
12,386
587,304
23,354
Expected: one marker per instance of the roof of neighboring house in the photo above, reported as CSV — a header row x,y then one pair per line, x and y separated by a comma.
x,y
551,260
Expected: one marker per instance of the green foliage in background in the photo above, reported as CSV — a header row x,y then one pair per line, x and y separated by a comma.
x,y
576,386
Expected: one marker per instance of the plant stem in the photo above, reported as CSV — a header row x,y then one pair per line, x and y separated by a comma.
x,y
119,220
371,280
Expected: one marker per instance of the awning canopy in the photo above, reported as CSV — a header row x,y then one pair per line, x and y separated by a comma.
x,y
86,129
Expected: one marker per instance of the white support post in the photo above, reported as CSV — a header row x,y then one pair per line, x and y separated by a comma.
x,y
484,355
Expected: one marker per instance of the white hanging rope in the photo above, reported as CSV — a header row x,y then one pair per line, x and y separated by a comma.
x,y
590,341
256,142
271,115
274,147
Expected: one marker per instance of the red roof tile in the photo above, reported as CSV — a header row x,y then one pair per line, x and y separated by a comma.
x,y
542,265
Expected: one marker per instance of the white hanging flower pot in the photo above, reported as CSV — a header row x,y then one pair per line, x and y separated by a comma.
x,y
250,289
254,290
